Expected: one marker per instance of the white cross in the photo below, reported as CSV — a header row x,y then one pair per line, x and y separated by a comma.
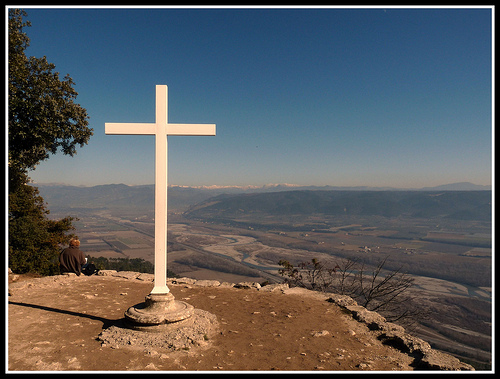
x,y
161,129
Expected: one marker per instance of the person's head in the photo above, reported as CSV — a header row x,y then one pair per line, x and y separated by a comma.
x,y
74,242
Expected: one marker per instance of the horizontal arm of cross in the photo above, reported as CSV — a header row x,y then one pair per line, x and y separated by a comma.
x,y
191,129
171,129
130,128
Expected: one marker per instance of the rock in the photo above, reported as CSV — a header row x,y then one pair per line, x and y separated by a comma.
x,y
436,360
106,272
183,280
126,274
372,319
391,327
342,300
247,285
274,287
321,333
226,285
208,283
405,342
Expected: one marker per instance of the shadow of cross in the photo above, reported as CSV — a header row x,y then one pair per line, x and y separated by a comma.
x,y
107,322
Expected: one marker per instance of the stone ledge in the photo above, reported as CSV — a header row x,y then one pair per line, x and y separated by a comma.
x,y
425,358
437,360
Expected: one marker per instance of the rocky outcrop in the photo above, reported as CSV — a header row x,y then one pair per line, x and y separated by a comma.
x,y
425,358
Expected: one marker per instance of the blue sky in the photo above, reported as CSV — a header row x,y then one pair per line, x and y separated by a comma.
x,y
377,97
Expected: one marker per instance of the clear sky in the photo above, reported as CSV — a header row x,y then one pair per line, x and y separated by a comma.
x,y
378,96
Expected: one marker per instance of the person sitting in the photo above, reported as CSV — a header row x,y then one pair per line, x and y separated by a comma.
x,y
72,258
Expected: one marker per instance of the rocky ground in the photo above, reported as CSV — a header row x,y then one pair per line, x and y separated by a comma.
x,y
55,324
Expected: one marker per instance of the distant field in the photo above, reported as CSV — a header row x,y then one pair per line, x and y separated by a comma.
x,y
102,237
477,240
479,252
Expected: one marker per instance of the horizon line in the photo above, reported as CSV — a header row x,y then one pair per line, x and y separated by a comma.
x,y
269,185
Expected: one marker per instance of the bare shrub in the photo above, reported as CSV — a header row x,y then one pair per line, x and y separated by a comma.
x,y
383,291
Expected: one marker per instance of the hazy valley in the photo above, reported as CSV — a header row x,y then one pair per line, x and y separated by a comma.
x,y
440,236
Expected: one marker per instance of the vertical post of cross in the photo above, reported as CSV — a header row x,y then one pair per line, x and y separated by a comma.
x,y
161,188
160,306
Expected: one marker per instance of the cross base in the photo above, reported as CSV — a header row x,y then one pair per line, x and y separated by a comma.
x,y
158,309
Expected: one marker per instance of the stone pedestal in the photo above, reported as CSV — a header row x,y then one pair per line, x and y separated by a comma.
x,y
158,309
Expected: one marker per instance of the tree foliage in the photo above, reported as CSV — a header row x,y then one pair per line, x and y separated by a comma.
x,y
43,118
43,115
34,239
122,264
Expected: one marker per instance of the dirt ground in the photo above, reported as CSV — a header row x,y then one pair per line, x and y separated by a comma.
x,y
53,325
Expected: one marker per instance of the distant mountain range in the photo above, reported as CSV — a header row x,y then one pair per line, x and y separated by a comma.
x,y
460,186
457,205
102,196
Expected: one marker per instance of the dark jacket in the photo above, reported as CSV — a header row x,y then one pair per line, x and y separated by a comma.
x,y
71,260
